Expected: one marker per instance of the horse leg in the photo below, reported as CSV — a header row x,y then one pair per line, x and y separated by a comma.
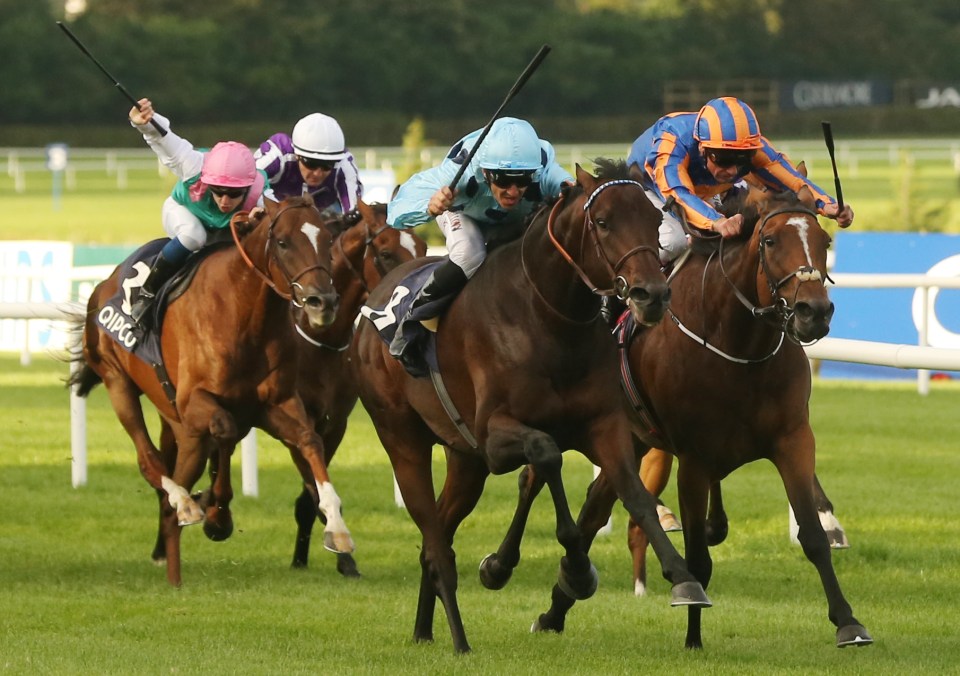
x,y
694,489
168,451
594,514
218,524
497,568
288,423
506,438
655,474
795,465
718,525
125,399
412,468
831,525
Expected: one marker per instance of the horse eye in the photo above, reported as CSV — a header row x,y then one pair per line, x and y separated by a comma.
x,y
282,243
601,223
768,241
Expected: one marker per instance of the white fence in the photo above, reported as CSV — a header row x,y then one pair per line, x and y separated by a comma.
x,y
900,356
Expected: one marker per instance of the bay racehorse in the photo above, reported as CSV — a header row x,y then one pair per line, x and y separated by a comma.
x,y
365,250
726,382
225,345
530,370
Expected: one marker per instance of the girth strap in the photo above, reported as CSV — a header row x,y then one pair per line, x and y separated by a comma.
x,y
451,410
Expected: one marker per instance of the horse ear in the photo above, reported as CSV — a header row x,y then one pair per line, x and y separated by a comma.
x,y
802,169
365,211
585,179
805,195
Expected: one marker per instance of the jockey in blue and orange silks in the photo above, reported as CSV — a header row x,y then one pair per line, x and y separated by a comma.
x,y
512,173
696,157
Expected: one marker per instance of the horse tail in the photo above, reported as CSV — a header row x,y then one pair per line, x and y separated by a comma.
x,y
84,378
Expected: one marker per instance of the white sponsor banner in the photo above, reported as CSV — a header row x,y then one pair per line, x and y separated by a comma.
x,y
34,272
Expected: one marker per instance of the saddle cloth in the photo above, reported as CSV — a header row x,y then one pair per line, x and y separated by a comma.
x,y
419,354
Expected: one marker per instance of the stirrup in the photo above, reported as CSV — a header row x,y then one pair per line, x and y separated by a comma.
x,y
431,324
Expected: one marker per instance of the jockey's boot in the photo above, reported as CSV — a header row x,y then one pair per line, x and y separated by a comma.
x,y
161,271
611,307
447,279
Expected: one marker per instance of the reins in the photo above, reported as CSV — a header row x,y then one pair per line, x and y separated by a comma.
x,y
779,313
272,258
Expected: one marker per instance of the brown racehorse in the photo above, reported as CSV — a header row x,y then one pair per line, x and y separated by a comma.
x,y
528,364
732,360
362,254
364,249
225,344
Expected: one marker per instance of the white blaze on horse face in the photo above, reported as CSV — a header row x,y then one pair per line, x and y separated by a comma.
x,y
803,227
313,234
408,243
336,536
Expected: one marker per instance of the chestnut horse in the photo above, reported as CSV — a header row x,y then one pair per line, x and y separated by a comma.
x,y
364,249
225,344
530,368
732,359
362,254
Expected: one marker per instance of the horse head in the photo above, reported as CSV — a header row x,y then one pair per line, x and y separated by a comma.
x,y
792,249
385,247
292,250
624,227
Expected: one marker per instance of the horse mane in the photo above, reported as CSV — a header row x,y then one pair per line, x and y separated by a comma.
x,y
610,169
748,202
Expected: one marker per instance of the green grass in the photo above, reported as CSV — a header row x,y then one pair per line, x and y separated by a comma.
x,y
78,593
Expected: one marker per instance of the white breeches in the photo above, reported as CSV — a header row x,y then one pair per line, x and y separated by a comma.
x,y
673,240
182,225
466,245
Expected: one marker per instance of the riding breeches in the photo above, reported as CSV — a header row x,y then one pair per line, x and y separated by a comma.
x,y
673,240
466,245
182,225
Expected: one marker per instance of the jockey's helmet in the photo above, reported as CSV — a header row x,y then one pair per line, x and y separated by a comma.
x,y
319,136
229,164
727,123
512,144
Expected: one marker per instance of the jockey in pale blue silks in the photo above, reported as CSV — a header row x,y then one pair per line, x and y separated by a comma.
x,y
214,185
511,174
313,161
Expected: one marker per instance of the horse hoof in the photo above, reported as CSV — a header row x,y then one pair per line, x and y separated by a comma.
x,y
853,634
346,566
493,575
218,532
541,625
689,594
837,539
338,543
579,587
668,520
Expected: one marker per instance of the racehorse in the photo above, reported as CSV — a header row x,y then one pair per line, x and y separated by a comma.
x,y
225,345
365,251
528,370
732,359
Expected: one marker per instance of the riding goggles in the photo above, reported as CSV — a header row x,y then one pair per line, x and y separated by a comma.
x,y
504,178
731,158
314,163
232,193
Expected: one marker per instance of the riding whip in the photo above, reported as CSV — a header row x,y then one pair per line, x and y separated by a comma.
x,y
828,137
517,86
116,83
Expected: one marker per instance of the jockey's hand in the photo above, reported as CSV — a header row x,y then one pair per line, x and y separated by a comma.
x,y
441,201
144,114
844,218
728,227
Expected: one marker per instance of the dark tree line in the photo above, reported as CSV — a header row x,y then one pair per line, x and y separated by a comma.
x,y
235,61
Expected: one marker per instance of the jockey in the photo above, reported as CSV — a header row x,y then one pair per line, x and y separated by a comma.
x,y
697,157
213,186
314,161
509,176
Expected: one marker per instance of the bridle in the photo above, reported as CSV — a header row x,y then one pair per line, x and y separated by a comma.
x,y
368,245
620,284
780,312
270,251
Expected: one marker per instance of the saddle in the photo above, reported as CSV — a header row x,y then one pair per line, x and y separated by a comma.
x,y
419,355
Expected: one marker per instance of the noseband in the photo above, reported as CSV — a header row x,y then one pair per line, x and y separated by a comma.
x,y
781,312
620,285
270,250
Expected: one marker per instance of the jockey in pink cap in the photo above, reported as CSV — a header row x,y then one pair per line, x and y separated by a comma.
x,y
213,186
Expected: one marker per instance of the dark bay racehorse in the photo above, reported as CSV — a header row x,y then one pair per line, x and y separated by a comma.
x,y
531,369
365,251
226,346
726,382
